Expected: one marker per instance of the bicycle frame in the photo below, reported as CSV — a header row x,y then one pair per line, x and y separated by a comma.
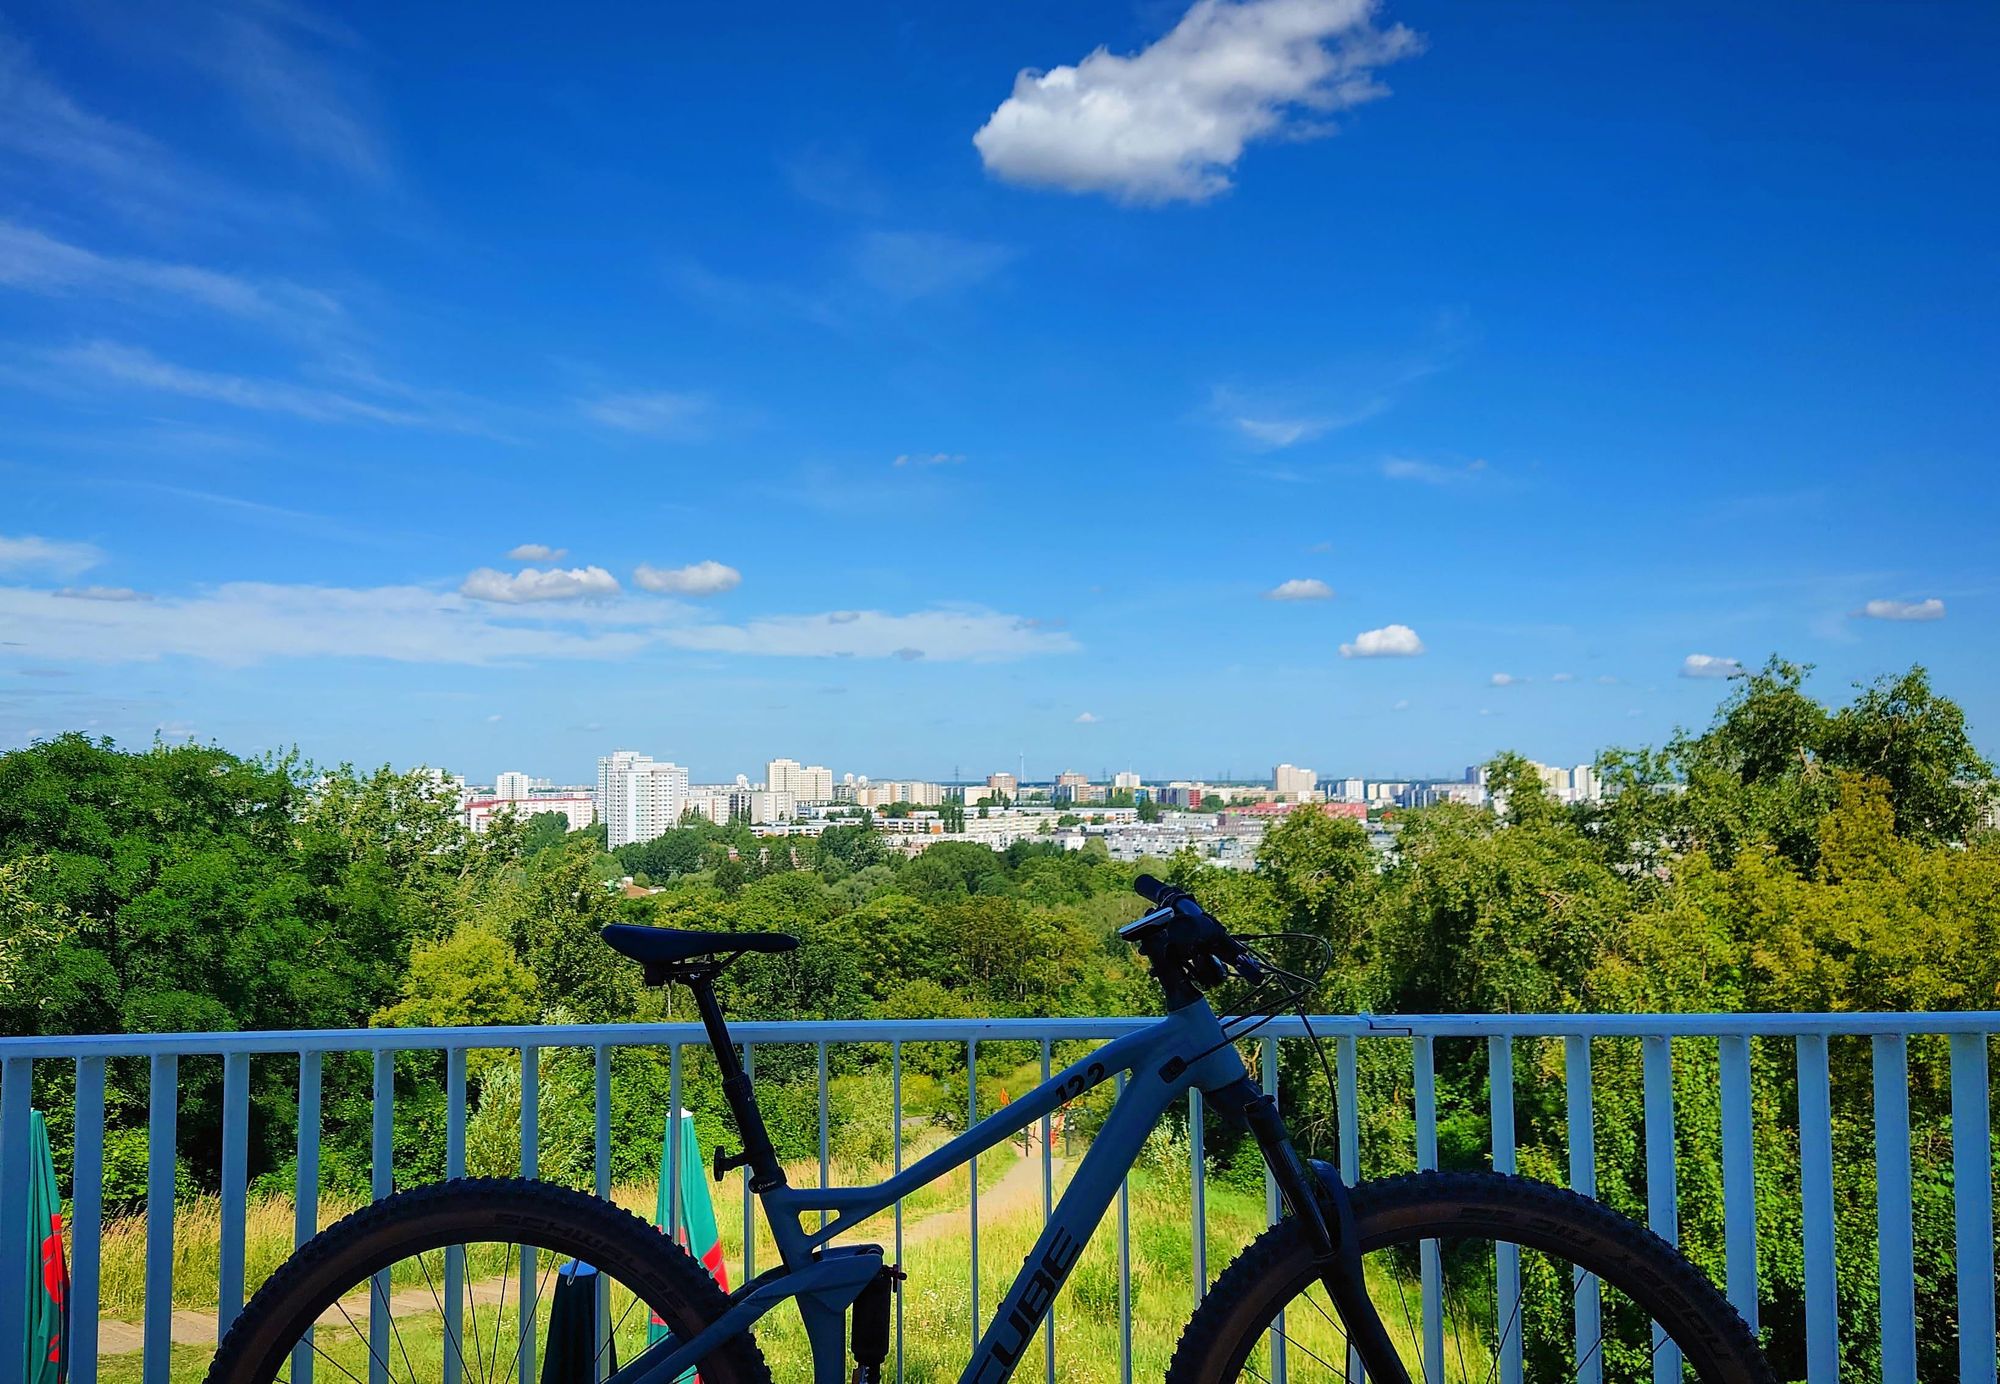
x,y
1185,1049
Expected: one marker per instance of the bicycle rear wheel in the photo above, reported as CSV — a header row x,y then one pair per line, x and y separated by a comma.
x,y
372,1297
1598,1296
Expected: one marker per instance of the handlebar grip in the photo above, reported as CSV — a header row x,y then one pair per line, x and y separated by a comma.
x,y
1154,891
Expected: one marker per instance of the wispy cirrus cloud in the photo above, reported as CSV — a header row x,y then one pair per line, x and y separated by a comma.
x,y
1432,472
1170,122
1929,609
101,593
241,623
653,412
920,459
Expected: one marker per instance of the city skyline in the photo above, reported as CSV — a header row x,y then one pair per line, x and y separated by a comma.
x,y
1514,391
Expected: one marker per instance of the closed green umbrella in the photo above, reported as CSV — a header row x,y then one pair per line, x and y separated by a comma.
x,y
47,1359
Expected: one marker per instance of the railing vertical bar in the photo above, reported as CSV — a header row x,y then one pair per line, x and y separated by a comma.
x,y
673,1137
1506,1256
600,1162
17,1076
1048,1209
381,1182
896,1156
1739,1176
1430,1271
1816,1210
1893,1209
163,1102
235,1188
750,1200
972,1172
1972,1205
1347,1106
454,1255
1577,1095
86,1219
1198,1186
1124,1268
1662,1195
823,1126
1279,1373
305,1191
531,1147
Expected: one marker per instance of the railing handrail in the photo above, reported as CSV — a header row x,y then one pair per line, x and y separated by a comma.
x,y
1706,1025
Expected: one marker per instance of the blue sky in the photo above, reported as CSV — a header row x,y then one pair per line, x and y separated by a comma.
x,y
917,387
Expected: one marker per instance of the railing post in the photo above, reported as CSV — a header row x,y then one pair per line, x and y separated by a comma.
x,y
16,1124
1577,1088
454,1255
305,1191
600,1163
1662,1195
531,1146
235,1190
1739,1176
1506,1256
1816,1210
896,1166
1048,1209
1972,1205
86,1219
1347,1108
1893,1209
162,1155
1280,1367
1197,1195
381,1183
1430,1273
1124,1269
972,1173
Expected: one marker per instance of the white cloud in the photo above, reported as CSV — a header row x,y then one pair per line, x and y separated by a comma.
x,y
1563,677
1085,718
930,459
656,413
61,557
1170,122
1300,589
1391,641
242,623
1606,680
707,578
101,593
1710,666
1931,609
1431,472
1402,704
1504,680
532,584
536,552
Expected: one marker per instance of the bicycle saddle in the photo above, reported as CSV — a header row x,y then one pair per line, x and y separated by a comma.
x,y
665,946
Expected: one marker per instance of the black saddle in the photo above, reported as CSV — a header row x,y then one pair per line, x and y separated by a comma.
x,y
659,949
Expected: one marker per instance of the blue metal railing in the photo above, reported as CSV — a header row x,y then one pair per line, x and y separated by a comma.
x,y
1969,1036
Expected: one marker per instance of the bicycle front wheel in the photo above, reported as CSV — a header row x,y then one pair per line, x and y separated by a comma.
x,y
477,1281
1479,1277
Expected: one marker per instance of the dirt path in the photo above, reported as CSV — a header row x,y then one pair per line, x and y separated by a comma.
x,y
1018,1190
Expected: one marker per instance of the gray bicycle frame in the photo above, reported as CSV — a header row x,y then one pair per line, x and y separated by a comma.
x,y
1185,1049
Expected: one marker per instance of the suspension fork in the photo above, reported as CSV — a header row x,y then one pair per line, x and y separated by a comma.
x,y
1318,1200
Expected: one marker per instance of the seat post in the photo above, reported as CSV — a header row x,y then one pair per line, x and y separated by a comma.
x,y
762,1158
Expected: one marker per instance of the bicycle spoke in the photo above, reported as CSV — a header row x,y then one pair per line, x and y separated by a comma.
x,y
523,1331
616,1327
1293,1343
395,1331
451,1337
500,1313
360,1336
321,1352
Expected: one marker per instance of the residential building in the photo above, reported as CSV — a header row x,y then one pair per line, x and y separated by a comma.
x,y
1126,782
577,808
1352,790
807,783
1003,785
1584,786
638,796
1294,783
511,785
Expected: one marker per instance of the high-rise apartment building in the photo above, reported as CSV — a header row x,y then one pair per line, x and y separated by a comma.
x,y
1290,781
1003,786
638,796
511,786
1126,782
807,783
1353,790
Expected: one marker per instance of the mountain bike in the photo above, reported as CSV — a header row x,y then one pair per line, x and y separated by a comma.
x,y
1439,1277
